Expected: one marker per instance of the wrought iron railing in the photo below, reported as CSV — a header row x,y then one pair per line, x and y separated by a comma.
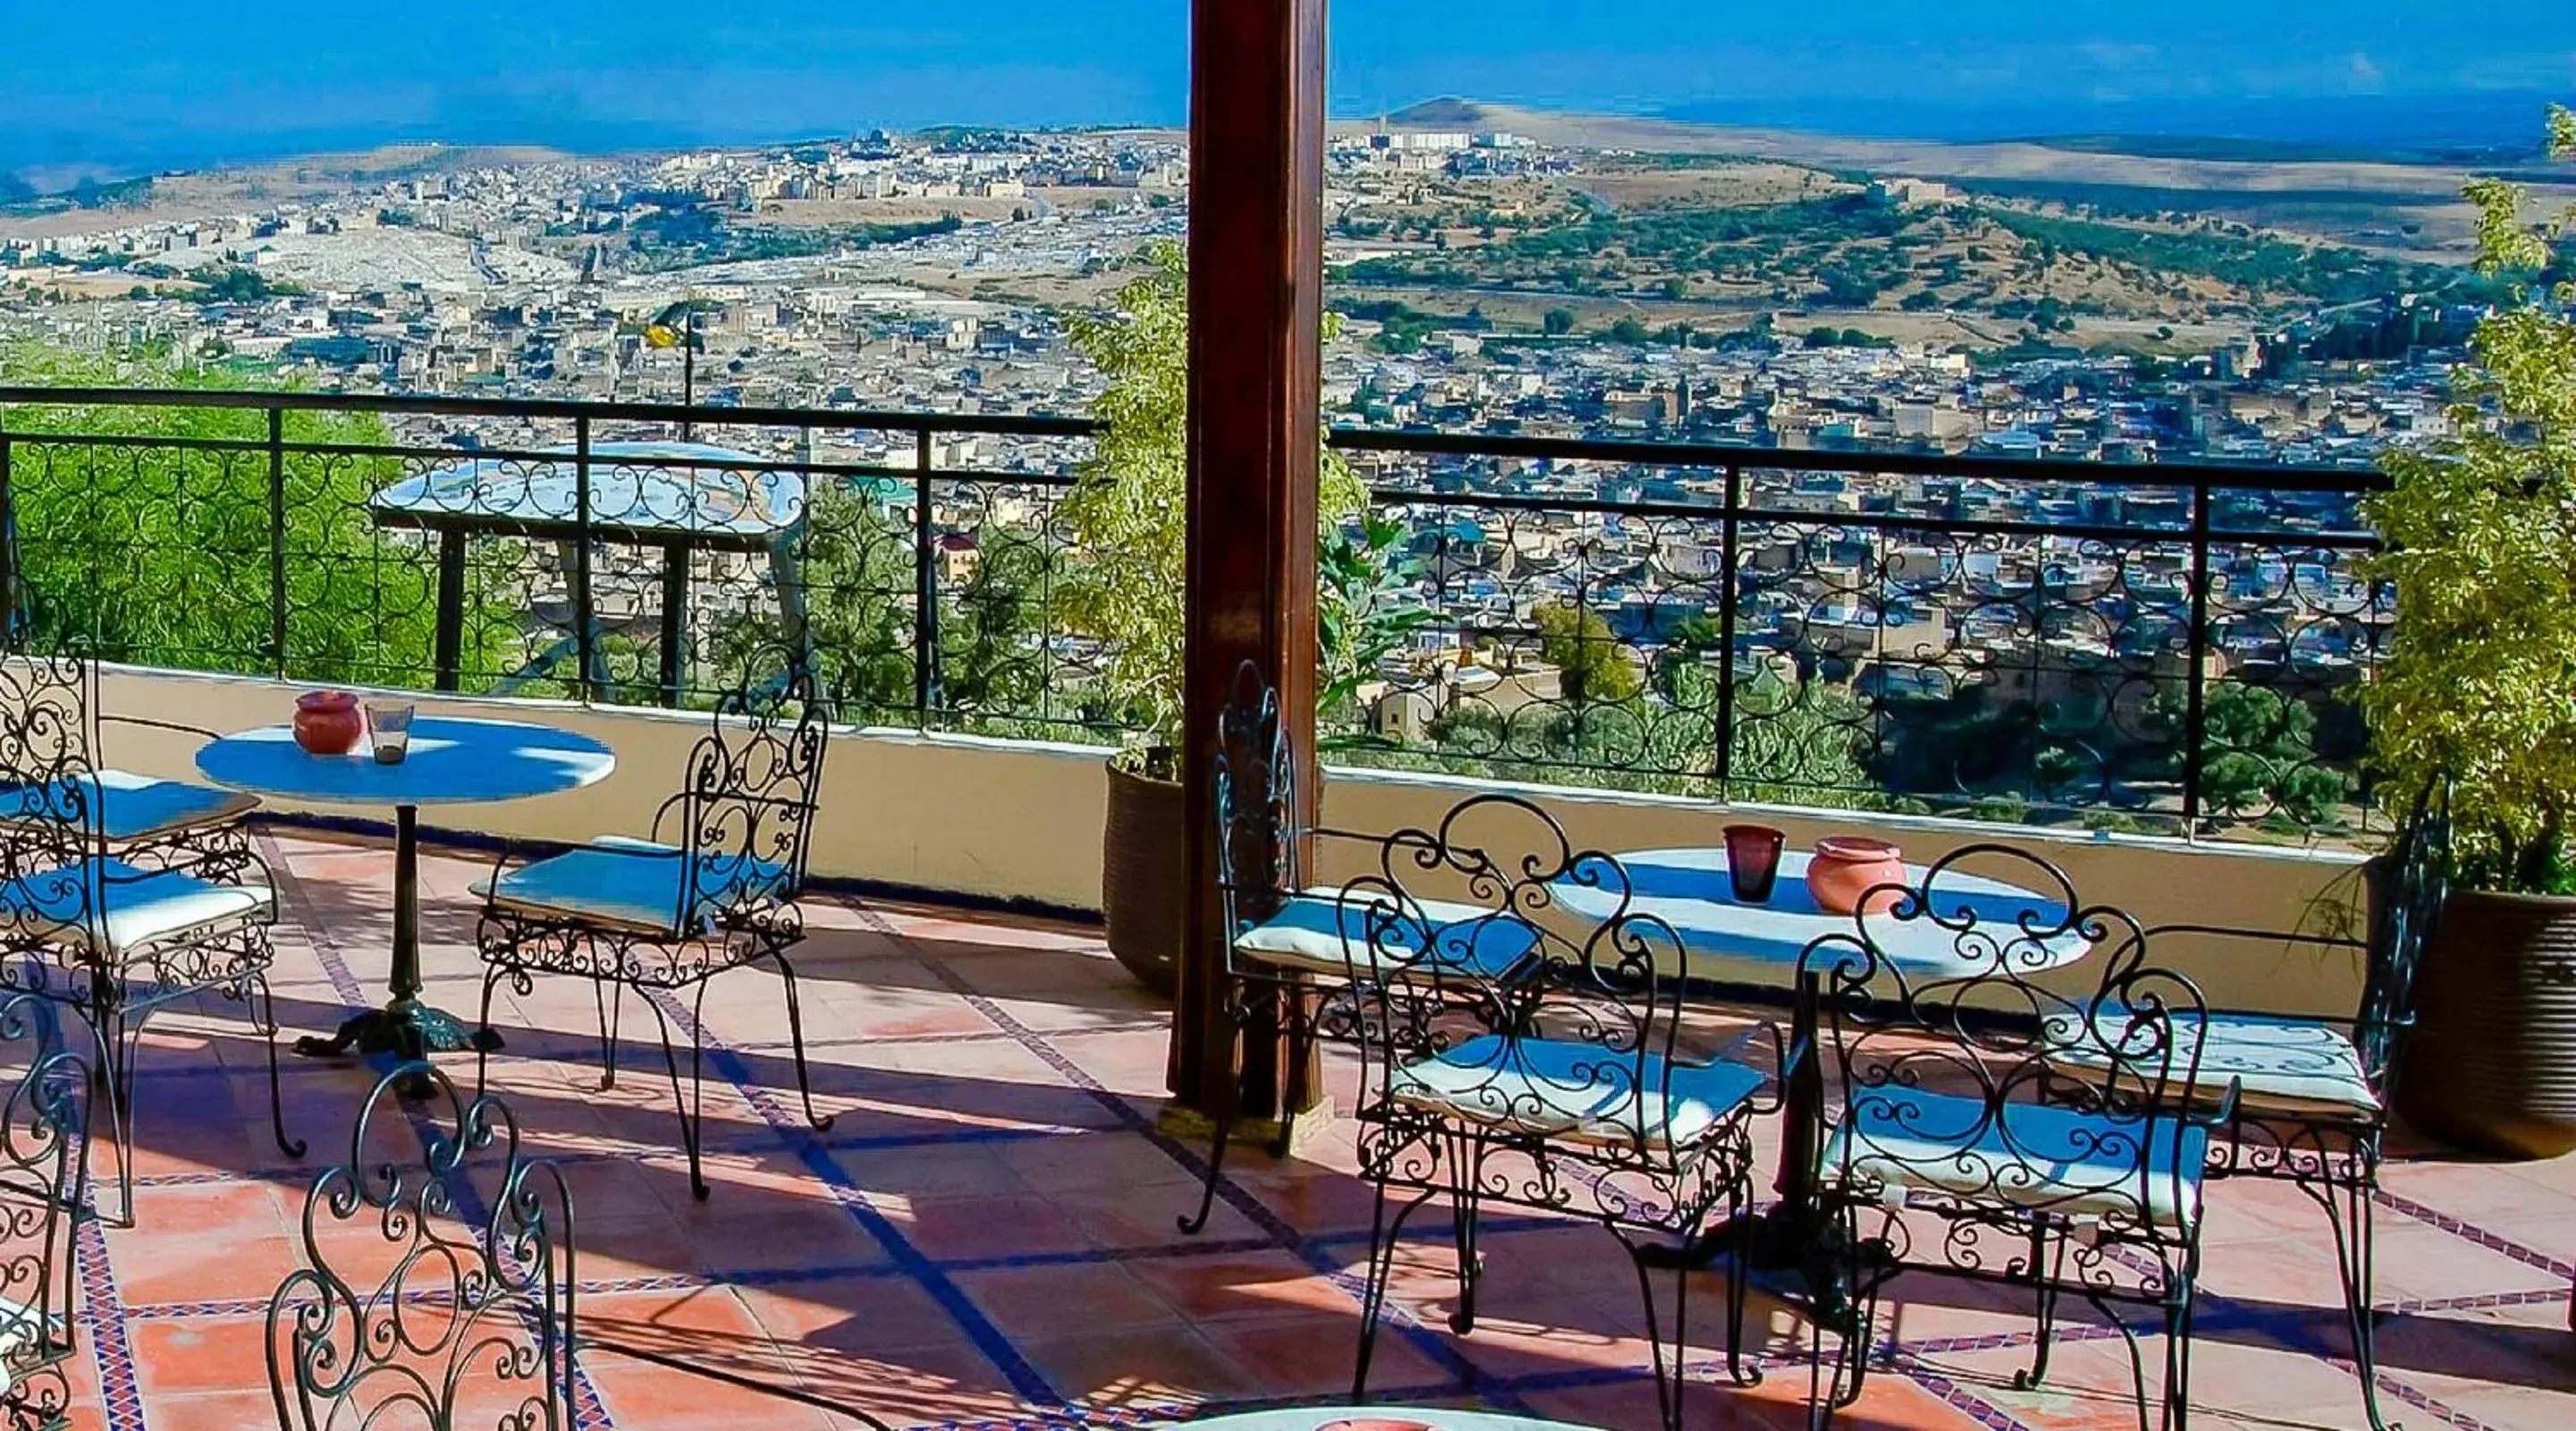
x,y
2162,647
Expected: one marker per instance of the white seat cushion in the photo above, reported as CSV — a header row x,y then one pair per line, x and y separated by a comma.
x,y
2286,1065
2032,1156
126,807
636,884
1580,1092
1322,932
114,907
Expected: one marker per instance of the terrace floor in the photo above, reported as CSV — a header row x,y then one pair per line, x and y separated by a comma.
x,y
986,1235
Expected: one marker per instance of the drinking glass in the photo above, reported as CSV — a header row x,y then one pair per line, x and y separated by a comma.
x,y
389,726
1753,861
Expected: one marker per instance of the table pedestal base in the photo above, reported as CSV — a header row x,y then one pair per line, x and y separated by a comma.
x,y
406,1028
1784,1240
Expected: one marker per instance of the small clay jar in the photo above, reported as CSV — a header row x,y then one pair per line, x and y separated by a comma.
x,y
1846,868
329,722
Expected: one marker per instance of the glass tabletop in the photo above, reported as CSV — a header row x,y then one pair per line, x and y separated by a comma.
x,y
452,761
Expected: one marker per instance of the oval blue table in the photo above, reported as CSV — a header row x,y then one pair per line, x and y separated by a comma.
x,y
450,762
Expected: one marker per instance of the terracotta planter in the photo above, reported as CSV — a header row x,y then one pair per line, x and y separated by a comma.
x,y
1144,890
2491,1067
1845,868
329,722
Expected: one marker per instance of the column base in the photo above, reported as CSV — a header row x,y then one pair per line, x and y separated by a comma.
x,y
1281,1137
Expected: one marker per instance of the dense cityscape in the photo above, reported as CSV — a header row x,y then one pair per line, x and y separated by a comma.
x,y
939,271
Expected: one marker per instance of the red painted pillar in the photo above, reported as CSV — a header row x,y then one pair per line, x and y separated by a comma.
x,y
1256,306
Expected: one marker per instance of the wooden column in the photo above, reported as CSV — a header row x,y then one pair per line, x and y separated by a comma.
x,y
1256,306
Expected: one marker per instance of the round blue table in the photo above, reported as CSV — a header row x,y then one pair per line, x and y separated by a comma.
x,y
450,762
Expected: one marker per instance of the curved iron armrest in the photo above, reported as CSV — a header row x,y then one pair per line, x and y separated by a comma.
x,y
2220,1114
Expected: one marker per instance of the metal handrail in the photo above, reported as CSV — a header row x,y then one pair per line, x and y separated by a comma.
x,y
1731,506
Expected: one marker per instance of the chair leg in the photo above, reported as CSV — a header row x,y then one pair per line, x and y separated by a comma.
x,y
263,1011
1671,1375
2049,1273
1739,1290
2178,1316
1191,1224
1384,1234
1464,1207
688,1095
796,1043
117,1039
2347,1203
610,997
1859,1312
492,976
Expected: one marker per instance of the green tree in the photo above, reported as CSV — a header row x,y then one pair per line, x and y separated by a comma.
x,y
1128,511
159,554
2259,754
2477,687
1557,322
1591,663
992,657
854,581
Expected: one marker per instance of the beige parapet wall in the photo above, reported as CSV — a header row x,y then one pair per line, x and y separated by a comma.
x,y
1011,820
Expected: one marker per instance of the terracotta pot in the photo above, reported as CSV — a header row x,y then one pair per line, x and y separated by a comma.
x,y
1844,868
329,722
2491,1066
1144,892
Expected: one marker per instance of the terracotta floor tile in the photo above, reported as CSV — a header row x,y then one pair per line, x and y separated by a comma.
x,y
200,1354
1248,1286
987,1225
648,1396
1031,1303
1114,1369
216,1411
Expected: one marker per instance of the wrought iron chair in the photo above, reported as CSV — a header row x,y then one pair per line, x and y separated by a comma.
x,y
43,1121
2316,1091
1560,1085
152,822
472,1319
117,933
1291,946
713,889
2047,1149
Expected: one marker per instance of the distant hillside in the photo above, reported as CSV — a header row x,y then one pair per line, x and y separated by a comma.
x,y
2212,166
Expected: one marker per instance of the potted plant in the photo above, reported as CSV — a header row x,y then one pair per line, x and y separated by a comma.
x,y
1128,517
2479,692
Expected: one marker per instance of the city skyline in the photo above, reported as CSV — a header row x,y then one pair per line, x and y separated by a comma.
x,y
173,92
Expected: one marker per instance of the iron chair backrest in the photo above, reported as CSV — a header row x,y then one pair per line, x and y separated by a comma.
x,y
746,809
1984,1030
2408,885
49,741
1259,860
479,1301
44,1123
1488,878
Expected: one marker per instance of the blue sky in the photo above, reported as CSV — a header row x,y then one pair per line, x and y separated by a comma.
x,y
167,78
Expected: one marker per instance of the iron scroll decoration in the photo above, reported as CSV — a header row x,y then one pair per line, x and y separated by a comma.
x,y
476,1315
